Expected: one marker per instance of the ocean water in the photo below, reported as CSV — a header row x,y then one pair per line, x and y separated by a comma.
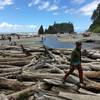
x,y
53,42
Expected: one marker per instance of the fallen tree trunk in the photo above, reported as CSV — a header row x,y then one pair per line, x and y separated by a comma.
x,y
7,66
92,74
8,59
95,67
11,74
32,62
25,93
38,76
11,84
88,74
61,66
57,82
90,85
4,70
56,58
73,96
15,63
20,55
7,47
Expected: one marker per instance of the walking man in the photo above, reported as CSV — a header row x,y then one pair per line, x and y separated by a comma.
x,y
75,63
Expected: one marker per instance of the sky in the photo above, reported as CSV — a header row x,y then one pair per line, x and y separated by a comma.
x,y
28,15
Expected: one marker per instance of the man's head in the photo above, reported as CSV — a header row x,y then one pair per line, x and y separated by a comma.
x,y
78,45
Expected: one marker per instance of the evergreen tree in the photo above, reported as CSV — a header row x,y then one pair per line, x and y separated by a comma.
x,y
41,30
95,26
60,28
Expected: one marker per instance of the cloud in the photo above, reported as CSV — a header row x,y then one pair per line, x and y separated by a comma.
x,y
89,8
78,1
44,5
4,3
53,7
70,10
30,4
34,2
6,27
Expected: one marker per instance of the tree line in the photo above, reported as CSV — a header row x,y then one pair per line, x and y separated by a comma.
x,y
95,26
57,28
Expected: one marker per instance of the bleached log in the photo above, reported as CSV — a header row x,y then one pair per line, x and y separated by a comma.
x,y
62,66
57,82
11,74
41,76
56,58
50,54
8,66
4,70
24,93
38,76
7,47
93,54
52,68
92,74
66,66
86,92
48,97
55,70
15,63
57,89
90,85
3,97
20,55
95,67
73,96
32,62
87,60
88,74
96,56
14,59
11,84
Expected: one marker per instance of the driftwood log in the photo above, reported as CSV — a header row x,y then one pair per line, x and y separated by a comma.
x,y
73,96
4,70
24,93
11,74
15,63
17,55
11,84
8,66
3,59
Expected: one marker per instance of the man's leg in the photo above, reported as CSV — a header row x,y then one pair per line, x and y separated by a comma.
x,y
70,72
80,70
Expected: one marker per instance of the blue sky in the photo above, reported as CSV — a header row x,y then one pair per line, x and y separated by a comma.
x,y
28,15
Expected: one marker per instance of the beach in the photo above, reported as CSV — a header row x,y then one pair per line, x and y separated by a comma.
x,y
30,69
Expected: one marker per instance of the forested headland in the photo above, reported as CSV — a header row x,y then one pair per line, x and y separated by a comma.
x,y
57,28
95,26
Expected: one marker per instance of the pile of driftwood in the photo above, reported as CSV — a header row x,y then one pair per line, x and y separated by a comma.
x,y
36,74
